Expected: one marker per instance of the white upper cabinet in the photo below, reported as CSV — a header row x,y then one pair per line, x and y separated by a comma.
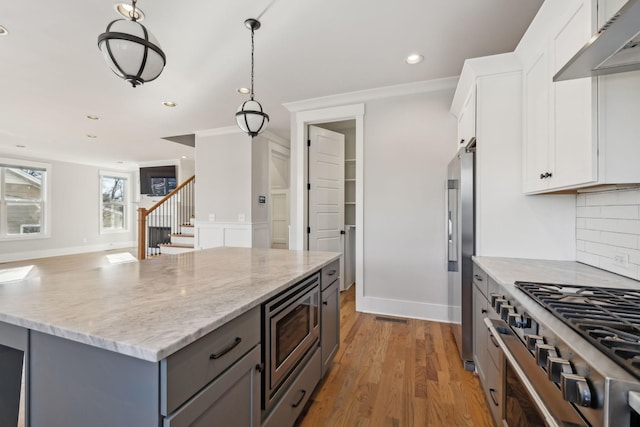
x,y
467,119
571,139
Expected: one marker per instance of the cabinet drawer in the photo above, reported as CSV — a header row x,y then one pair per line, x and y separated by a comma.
x,y
480,279
330,273
495,354
187,371
233,399
493,390
292,403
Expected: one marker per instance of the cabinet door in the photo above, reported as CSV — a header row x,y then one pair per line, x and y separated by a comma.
x,y
537,110
232,399
575,143
330,330
480,334
467,119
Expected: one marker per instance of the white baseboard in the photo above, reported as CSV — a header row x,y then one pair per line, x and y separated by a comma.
x,y
46,253
409,309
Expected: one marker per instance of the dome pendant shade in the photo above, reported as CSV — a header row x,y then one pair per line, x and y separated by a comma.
x,y
132,52
250,117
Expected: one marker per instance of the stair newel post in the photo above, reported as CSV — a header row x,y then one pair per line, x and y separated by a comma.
x,y
142,233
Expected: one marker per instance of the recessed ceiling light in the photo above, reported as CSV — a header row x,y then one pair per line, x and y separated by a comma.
x,y
120,162
126,10
414,59
3,31
91,136
169,104
92,117
21,146
243,90
184,157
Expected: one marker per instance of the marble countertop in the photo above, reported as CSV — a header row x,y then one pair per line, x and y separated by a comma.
x,y
505,271
153,308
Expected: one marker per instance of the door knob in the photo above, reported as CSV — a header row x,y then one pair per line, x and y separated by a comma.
x,y
341,231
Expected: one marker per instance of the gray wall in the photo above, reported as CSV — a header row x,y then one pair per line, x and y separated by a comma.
x,y
407,147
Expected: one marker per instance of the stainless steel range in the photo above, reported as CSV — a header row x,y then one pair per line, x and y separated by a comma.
x,y
572,358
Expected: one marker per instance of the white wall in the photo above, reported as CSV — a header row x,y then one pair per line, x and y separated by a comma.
x,y
406,151
75,216
223,177
608,231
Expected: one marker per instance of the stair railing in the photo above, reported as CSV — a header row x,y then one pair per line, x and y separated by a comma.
x,y
166,217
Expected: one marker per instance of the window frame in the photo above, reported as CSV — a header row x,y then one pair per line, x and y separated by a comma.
x,y
125,202
5,163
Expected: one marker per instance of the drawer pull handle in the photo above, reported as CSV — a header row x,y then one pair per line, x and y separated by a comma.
x,y
492,391
325,302
226,350
295,405
260,367
331,272
483,311
478,278
493,340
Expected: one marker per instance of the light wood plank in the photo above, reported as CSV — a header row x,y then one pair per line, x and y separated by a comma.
x,y
395,374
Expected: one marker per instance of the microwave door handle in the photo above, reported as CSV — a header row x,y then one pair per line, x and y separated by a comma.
x,y
491,324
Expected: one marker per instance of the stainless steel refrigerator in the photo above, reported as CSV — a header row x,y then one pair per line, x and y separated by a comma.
x,y
461,245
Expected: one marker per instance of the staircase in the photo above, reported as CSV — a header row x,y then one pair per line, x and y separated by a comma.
x,y
180,242
167,227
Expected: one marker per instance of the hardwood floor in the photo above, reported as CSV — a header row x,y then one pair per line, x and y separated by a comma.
x,y
393,373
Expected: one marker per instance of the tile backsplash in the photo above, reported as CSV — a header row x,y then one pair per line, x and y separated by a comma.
x,y
608,231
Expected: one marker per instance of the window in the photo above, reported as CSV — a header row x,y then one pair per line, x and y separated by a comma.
x,y
113,203
23,199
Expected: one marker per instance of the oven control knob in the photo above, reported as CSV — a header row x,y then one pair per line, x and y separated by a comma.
x,y
497,304
515,320
494,297
557,366
575,389
506,310
533,340
544,352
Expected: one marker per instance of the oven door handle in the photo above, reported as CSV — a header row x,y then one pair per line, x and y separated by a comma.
x,y
498,328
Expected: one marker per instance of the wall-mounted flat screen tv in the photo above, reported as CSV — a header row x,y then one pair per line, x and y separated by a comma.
x,y
157,180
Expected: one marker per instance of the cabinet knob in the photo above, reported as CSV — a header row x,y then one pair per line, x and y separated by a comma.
x,y
546,175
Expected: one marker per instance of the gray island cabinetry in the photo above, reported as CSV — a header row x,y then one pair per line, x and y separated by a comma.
x,y
173,342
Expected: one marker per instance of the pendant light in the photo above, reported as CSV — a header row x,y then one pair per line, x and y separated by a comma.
x,y
250,116
132,52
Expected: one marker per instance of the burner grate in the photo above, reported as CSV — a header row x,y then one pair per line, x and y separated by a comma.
x,y
609,318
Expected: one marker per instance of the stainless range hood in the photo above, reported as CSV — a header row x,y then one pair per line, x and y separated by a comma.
x,y
615,49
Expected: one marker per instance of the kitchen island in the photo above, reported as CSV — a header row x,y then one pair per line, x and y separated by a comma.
x,y
96,342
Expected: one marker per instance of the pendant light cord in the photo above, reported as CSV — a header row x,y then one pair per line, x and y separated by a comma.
x,y
252,64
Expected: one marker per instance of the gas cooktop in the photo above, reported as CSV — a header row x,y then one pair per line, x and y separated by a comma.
x,y
608,318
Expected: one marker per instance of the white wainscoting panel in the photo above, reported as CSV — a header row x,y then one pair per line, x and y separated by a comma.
x,y
245,235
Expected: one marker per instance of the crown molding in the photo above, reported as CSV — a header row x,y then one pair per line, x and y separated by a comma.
x,y
446,83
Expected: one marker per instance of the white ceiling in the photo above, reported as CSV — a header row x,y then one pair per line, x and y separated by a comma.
x,y
52,74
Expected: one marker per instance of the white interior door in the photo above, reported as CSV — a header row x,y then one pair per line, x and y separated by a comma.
x,y
326,190
280,219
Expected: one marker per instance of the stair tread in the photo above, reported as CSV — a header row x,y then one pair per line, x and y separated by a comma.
x,y
183,235
176,245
